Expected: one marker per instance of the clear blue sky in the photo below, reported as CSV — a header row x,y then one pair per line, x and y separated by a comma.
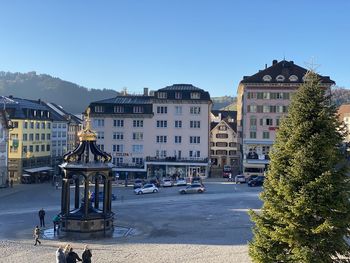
x,y
155,43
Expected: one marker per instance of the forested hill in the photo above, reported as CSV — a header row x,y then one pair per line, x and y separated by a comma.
x,y
72,97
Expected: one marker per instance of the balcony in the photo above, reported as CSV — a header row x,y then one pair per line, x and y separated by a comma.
x,y
176,159
130,165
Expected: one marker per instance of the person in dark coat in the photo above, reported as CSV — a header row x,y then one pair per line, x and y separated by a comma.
x,y
60,257
72,257
42,217
86,255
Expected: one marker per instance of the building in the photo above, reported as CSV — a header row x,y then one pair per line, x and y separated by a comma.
x,y
29,145
344,116
262,100
159,135
5,125
224,148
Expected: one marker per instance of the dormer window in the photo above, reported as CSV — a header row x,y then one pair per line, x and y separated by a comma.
x,y
195,95
138,109
98,108
267,78
34,113
162,95
280,78
293,78
118,109
178,95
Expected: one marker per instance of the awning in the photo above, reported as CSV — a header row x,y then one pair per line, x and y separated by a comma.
x,y
39,169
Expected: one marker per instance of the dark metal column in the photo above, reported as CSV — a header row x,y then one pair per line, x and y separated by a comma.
x,y
96,192
86,196
105,195
77,193
63,197
109,195
67,202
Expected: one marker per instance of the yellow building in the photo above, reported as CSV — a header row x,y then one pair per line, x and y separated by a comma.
x,y
29,144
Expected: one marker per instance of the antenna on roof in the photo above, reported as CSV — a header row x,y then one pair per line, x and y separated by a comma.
x,y
312,65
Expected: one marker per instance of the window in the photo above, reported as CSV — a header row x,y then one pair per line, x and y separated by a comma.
x,y
232,152
195,124
118,148
138,109
266,135
43,125
137,148
137,161
266,122
222,128
43,147
260,95
37,148
178,124
31,137
195,110
195,95
252,95
178,110
118,136
137,136
32,125
25,137
99,122
195,139
162,109
161,154
98,108
286,96
43,136
221,135
48,136
233,144
37,125
266,108
178,95
280,78
195,154
24,149
37,136
251,108
252,135
177,139
267,78
278,122
49,125
31,148
118,123
25,125
161,139
54,125
162,124
118,160
64,126
118,109
100,135
221,144
253,123
266,95
101,147
137,123
162,95
293,78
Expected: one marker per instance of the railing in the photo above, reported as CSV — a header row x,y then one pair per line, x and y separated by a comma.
x,y
129,165
176,159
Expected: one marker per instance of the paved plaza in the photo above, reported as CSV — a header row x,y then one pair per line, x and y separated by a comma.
x,y
160,227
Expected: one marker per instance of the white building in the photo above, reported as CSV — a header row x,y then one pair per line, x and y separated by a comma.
x,y
166,134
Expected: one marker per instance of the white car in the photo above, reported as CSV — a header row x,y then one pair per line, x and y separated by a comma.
x,y
181,182
146,189
167,183
240,179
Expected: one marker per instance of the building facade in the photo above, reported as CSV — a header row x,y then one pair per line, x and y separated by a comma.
x,y
344,117
162,135
224,147
262,101
4,135
29,144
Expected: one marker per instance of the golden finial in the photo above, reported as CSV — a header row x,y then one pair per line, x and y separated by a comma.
x,y
87,134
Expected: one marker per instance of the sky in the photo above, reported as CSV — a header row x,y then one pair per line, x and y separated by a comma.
x,y
156,43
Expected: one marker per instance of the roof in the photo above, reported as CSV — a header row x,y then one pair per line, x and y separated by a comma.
x,y
129,99
285,69
60,114
232,125
225,113
181,87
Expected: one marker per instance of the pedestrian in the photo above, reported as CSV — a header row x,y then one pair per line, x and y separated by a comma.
x,y
7,183
42,217
56,185
86,256
56,222
230,176
11,183
72,257
66,250
60,257
36,235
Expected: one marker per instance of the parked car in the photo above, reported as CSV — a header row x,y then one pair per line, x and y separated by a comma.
x,y
227,170
193,188
146,189
181,182
196,180
258,181
240,179
155,182
167,183
252,177
138,183
100,197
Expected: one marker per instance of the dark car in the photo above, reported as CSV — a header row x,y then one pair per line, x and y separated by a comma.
x,y
252,177
100,197
258,181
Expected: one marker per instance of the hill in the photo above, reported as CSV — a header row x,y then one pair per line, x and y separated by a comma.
x,y
72,97
224,102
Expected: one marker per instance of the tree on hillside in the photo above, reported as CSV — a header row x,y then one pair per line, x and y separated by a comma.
x,y
305,215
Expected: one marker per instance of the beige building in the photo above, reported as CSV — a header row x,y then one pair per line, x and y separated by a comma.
x,y
344,116
160,135
262,100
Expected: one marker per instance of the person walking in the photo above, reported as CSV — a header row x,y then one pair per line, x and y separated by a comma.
x,y
42,217
72,257
60,257
11,183
86,256
56,222
66,250
36,235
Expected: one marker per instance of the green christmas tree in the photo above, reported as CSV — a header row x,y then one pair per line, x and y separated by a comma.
x,y
306,210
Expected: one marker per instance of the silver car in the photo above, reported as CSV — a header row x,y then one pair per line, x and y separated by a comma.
x,y
146,189
193,188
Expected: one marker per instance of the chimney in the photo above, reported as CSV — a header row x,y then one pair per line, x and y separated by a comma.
x,y
265,66
11,96
291,62
274,62
145,91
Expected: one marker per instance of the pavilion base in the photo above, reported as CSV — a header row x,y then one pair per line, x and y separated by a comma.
x,y
86,228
